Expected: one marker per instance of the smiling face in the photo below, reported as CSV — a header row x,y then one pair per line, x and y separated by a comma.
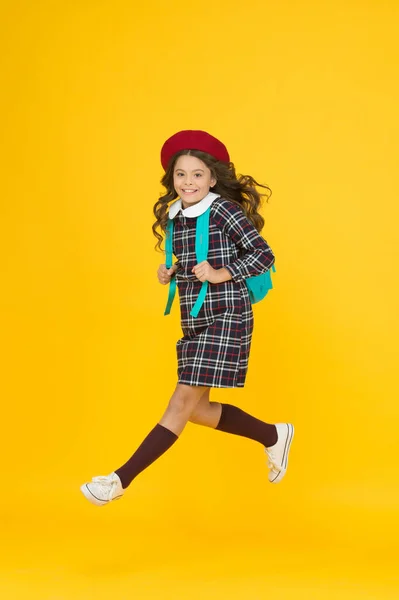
x,y
192,179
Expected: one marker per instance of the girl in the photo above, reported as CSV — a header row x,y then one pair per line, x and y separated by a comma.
x,y
214,349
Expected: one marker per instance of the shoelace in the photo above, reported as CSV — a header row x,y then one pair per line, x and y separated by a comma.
x,y
106,483
272,464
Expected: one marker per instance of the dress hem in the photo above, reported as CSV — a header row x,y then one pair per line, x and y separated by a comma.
x,y
208,385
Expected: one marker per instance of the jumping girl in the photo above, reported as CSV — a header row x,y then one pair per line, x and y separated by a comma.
x,y
215,347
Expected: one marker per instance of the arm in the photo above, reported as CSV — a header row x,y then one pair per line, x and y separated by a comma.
x,y
223,275
257,257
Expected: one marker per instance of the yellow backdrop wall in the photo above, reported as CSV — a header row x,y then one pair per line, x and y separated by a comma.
x,y
305,96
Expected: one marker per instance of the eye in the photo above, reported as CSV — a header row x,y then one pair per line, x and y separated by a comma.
x,y
178,174
198,174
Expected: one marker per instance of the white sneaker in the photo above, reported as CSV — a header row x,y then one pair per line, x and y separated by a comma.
x,y
102,490
278,454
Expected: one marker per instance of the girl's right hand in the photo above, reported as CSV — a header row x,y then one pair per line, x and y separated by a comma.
x,y
165,275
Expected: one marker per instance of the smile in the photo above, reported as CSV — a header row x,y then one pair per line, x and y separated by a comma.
x,y
190,191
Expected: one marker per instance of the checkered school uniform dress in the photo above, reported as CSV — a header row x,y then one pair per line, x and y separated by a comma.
x,y
215,346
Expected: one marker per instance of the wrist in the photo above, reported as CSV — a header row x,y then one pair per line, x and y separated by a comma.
x,y
223,275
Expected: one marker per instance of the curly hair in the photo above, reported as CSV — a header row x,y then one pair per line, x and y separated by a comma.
x,y
240,189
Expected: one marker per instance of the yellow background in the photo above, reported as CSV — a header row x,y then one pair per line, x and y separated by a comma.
x,y
305,96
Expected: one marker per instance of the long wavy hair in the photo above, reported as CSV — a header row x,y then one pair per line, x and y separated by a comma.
x,y
240,189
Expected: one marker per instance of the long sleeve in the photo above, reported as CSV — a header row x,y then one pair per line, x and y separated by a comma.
x,y
256,256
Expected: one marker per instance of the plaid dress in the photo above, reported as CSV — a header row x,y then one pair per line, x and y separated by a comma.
x,y
215,346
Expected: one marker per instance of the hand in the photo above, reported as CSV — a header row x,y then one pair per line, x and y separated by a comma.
x,y
165,275
204,272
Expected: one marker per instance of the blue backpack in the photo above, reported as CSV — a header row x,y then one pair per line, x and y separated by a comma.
x,y
258,286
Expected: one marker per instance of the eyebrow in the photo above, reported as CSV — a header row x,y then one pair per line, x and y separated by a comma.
x,y
193,171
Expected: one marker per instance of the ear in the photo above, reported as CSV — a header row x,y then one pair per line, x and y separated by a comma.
x,y
213,182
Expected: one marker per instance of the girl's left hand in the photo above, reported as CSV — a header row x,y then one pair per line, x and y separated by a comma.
x,y
204,272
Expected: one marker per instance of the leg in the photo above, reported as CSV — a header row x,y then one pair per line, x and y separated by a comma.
x,y
181,405
277,438
231,419
206,413
102,490
164,434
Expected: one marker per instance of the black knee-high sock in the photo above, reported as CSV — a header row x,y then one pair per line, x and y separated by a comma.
x,y
153,446
236,421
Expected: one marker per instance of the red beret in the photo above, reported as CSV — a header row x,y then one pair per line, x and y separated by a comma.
x,y
193,140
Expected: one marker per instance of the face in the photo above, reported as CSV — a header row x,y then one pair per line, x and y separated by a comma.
x,y
192,179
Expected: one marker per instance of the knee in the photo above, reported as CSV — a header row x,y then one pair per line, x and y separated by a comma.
x,y
177,404
185,399
198,415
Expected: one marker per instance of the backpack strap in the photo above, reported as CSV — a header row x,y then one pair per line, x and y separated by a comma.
x,y
168,263
201,251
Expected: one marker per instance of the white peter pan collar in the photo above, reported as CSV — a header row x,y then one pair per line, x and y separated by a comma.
x,y
196,209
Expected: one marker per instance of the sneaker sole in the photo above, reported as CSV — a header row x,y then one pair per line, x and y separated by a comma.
x,y
288,443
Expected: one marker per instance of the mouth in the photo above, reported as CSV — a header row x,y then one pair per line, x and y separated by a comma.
x,y
189,192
